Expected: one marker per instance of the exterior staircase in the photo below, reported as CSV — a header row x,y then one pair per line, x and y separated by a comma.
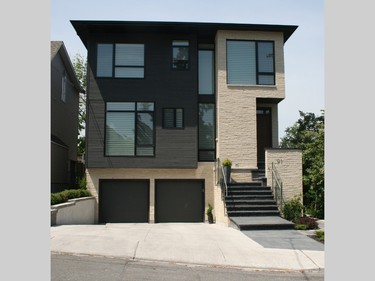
x,y
251,206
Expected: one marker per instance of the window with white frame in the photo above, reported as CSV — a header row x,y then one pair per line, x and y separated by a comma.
x,y
120,60
250,62
129,129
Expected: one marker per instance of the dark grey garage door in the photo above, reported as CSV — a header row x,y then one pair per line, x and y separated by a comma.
x,y
123,201
179,201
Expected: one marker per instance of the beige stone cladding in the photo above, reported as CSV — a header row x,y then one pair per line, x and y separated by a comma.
x,y
288,163
204,171
236,104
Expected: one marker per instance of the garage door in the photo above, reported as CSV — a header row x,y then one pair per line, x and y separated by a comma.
x,y
179,201
123,201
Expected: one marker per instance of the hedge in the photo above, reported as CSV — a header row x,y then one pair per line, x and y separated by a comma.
x,y
63,196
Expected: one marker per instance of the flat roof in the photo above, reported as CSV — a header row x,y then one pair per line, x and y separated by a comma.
x,y
84,27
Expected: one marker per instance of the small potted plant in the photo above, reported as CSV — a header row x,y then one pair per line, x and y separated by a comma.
x,y
227,165
209,214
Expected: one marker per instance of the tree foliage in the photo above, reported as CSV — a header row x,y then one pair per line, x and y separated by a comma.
x,y
307,134
80,67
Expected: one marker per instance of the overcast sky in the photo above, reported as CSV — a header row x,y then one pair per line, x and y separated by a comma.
x,y
304,50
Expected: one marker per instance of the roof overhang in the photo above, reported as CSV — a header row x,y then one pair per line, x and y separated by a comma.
x,y
85,27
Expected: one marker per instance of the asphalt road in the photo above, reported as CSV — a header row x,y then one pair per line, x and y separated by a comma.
x,y
93,268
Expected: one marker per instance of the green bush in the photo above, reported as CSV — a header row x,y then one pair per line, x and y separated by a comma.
x,y
301,227
209,210
63,196
292,209
320,235
82,183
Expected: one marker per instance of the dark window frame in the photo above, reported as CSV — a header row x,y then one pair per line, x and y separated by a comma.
x,y
258,73
206,48
215,135
119,66
174,118
136,145
188,52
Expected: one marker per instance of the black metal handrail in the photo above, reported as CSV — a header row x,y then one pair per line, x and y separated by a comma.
x,y
221,178
277,187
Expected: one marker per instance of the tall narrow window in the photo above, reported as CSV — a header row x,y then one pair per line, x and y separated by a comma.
x,y
120,60
206,72
180,54
64,82
207,135
129,129
250,62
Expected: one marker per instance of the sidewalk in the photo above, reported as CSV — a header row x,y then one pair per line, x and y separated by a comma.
x,y
188,243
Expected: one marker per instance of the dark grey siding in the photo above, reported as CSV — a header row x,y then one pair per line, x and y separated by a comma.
x,y
163,86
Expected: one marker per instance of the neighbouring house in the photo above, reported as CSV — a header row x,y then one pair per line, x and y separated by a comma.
x,y
167,102
65,89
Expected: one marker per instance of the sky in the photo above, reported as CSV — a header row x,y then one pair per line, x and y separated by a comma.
x,y
303,52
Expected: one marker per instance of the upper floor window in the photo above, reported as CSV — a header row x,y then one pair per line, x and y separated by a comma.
x,y
206,72
180,54
250,62
64,81
129,129
120,60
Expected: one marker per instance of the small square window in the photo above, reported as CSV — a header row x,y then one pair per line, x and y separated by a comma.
x,y
180,54
173,118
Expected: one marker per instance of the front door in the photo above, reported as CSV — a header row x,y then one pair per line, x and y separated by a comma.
x,y
264,133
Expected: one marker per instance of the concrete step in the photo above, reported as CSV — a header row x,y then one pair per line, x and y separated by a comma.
x,y
239,202
249,197
253,213
252,207
249,192
260,223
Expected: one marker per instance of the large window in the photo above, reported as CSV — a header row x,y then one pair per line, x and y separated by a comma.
x,y
207,135
180,54
250,62
206,72
120,60
129,129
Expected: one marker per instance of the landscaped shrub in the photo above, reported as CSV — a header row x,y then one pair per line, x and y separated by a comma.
x,y
63,196
301,227
310,222
292,209
320,235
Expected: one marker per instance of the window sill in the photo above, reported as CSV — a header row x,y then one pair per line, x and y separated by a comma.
x,y
254,86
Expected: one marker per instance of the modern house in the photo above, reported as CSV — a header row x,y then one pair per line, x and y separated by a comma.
x,y
167,101
65,89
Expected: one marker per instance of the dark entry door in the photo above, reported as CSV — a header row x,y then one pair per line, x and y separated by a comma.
x,y
264,133
123,201
179,201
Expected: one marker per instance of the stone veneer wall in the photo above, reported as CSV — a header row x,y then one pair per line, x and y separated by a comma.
x,y
236,104
204,171
289,165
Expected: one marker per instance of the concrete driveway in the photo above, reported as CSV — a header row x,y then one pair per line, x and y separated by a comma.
x,y
187,243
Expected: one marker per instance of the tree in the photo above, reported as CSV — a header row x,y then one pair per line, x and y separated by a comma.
x,y
80,67
308,134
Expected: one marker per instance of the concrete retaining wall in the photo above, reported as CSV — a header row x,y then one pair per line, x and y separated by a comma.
x,y
75,211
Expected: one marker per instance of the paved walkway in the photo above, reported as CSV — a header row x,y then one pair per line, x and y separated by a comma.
x,y
189,243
